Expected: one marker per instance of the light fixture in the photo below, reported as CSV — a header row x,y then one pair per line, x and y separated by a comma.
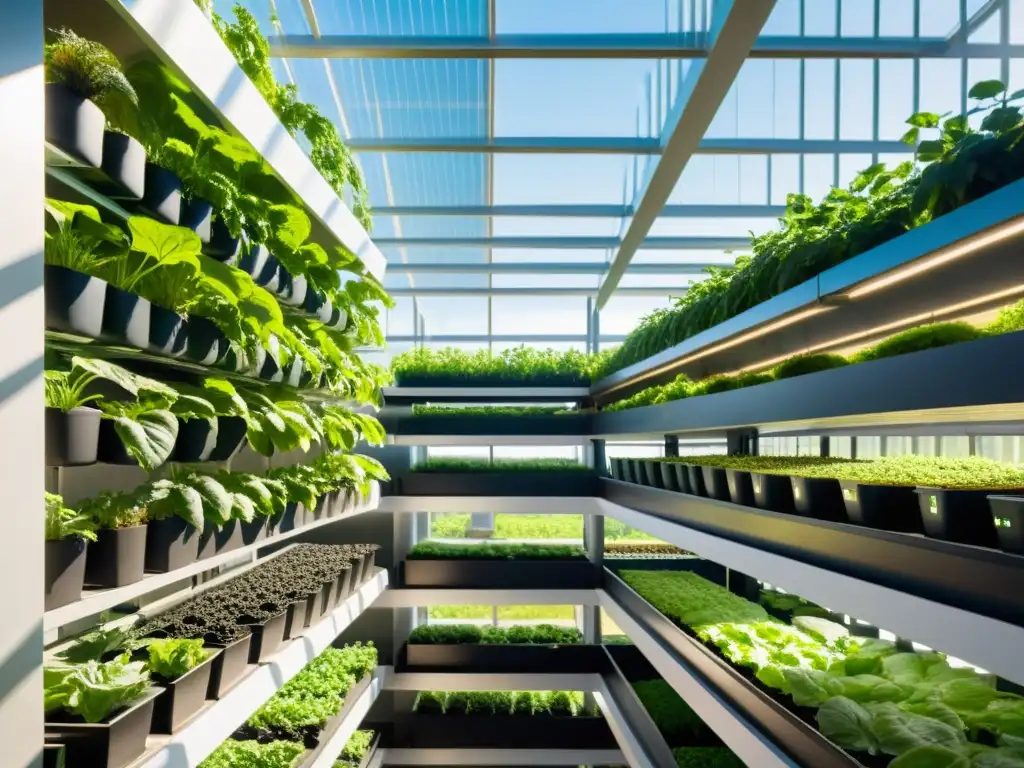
x,y
966,247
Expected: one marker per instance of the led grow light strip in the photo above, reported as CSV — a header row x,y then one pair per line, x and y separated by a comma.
x,y
957,250
894,325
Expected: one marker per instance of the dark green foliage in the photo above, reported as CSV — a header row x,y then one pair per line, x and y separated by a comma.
x,y
677,722
91,71
430,702
499,465
920,338
562,704
1010,319
355,749
525,703
717,384
497,703
458,702
445,634
879,205
490,410
803,364
252,754
706,757
436,550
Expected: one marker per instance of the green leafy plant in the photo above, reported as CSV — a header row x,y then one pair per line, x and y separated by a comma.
x,y
490,410
95,690
458,703
804,364
430,702
97,644
499,465
679,724
920,338
706,757
62,522
451,634
519,364
437,550
562,704
355,749
91,71
172,658
526,703
253,754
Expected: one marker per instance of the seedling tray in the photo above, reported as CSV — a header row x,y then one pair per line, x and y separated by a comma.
x,y
501,574
540,731
571,482
504,659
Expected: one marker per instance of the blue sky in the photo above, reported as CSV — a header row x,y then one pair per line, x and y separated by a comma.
x,y
448,98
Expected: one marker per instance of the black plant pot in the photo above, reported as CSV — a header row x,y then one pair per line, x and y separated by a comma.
x,y
291,518
111,448
320,511
111,743
170,544
72,438
270,370
668,476
74,301
228,666
616,469
1008,516
166,332
183,697
773,492
196,440
54,756
230,434
631,473
197,215
741,489
652,473
223,246
215,541
126,318
253,530
886,507
162,198
65,571
313,302
117,557
682,475
820,498
206,342
267,638
345,586
124,167
74,125
297,290
716,483
695,475
960,516
297,616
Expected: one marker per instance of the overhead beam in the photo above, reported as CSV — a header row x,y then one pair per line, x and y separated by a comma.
x,y
427,293
546,268
569,242
583,210
658,45
623,145
735,26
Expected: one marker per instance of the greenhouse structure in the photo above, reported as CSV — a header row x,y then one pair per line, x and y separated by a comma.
x,y
512,383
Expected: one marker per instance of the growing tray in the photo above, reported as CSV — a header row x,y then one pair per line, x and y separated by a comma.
x,y
502,732
952,574
449,424
501,574
504,659
760,709
413,380
570,482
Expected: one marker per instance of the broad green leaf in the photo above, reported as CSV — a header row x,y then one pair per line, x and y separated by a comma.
x,y
1001,119
811,687
166,243
193,407
820,629
937,710
931,757
149,437
924,120
898,731
291,226
999,758
911,136
217,502
172,499
986,89
930,150
848,724
242,507
140,386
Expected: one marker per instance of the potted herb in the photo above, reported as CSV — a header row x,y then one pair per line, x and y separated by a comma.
x,y
67,532
175,514
118,555
101,711
182,668
85,88
492,566
73,255
72,429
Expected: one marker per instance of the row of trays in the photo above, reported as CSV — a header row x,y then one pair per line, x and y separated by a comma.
x,y
123,556
172,705
987,518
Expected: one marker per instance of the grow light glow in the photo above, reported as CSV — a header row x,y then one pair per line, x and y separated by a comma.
x,y
943,256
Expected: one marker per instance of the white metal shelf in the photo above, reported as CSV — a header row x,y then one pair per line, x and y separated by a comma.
x,y
498,757
218,720
94,602
353,718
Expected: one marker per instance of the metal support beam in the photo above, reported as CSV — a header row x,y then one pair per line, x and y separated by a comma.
x,y
622,145
545,268
21,381
553,242
658,45
734,29
484,291
596,210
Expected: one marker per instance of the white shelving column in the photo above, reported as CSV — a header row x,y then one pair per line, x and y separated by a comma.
x,y
21,381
